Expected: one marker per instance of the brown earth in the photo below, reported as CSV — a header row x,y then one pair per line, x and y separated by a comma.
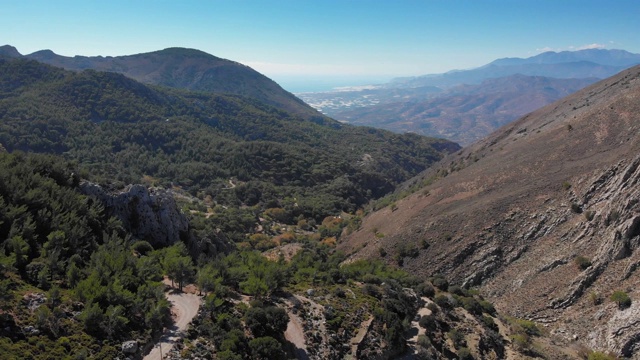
x,y
511,213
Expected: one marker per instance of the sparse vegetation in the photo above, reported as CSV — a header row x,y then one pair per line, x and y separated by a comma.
x,y
621,298
457,337
595,298
597,355
464,354
576,208
612,217
589,215
582,262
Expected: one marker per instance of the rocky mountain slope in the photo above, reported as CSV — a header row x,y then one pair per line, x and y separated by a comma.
x,y
185,69
542,216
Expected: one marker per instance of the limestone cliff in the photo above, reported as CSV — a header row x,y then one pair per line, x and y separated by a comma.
x,y
150,214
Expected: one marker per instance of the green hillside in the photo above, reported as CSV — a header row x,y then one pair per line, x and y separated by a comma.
x,y
189,69
124,132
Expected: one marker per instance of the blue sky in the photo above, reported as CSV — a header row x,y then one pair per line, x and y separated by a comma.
x,y
352,40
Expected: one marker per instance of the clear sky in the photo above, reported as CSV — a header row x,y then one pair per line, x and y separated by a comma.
x,y
321,40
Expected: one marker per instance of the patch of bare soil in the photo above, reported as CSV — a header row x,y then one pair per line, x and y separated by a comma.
x,y
286,251
184,307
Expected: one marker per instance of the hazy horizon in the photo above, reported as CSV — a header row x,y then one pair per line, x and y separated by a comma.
x,y
332,38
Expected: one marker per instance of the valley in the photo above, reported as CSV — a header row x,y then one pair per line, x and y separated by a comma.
x,y
466,105
287,234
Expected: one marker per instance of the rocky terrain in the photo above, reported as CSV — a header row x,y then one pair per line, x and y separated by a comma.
x,y
541,216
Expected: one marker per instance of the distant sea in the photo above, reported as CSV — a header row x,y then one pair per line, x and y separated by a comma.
x,y
303,84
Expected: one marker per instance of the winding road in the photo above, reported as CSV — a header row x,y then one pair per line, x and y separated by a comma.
x,y
184,308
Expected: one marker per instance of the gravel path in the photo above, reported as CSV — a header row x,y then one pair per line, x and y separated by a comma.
x,y
184,308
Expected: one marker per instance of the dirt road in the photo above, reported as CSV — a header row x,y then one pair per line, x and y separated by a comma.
x,y
184,308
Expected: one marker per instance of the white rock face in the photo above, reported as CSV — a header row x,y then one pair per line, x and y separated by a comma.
x,y
150,214
624,330
130,347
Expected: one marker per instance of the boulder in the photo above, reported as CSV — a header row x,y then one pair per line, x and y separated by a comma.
x,y
130,347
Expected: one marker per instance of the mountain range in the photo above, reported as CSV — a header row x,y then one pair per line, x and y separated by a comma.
x,y
125,130
443,105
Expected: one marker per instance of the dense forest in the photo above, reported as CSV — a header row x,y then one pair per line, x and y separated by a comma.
x,y
75,284
125,132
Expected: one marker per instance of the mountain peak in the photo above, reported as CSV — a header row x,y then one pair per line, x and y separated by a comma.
x,y
185,52
190,69
609,57
43,55
9,51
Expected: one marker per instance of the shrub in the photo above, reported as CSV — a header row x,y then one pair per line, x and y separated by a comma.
x,y
488,322
582,262
576,208
521,341
142,247
442,301
371,279
464,354
440,282
487,307
621,298
471,305
529,327
399,260
427,322
457,289
613,216
266,348
566,185
425,289
433,307
597,355
424,341
596,298
589,215
456,337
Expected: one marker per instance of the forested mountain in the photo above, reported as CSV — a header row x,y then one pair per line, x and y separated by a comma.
x,y
184,69
77,283
68,276
122,131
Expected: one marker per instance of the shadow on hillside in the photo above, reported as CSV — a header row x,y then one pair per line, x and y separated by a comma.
x,y
298,353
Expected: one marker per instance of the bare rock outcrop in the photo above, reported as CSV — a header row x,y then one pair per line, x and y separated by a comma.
x,y
151,214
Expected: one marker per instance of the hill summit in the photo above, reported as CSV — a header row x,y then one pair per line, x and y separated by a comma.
x,y
183,68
